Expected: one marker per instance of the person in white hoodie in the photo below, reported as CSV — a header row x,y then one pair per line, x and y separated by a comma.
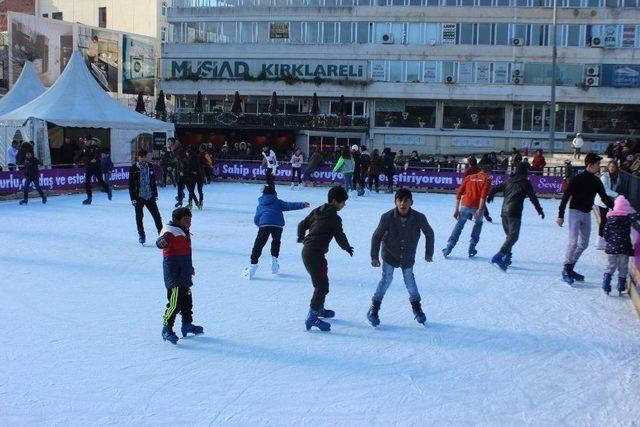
x,y
12,155
577,145
296,164
609,179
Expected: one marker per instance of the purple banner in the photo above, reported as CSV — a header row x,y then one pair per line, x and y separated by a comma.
x,y
235,169
635,262
59,179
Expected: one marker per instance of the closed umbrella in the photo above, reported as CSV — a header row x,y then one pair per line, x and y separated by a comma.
x,y
342,107
140,108
273,106
315,108
161,107
236,107
197,108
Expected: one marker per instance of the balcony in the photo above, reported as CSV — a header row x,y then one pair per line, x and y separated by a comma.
x,y
270,121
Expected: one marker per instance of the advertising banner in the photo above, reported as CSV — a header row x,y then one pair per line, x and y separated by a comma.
x,y
635,267
620,75
47,43
279,30
101,52
233,169
138,65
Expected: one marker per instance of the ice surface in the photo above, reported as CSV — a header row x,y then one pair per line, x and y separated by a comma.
x,y
82,304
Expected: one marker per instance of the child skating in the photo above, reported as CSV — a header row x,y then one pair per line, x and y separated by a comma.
x,y
175,242
617,232
323,224
270,222
399,232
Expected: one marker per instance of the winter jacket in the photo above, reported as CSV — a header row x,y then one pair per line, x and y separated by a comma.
x,y
177,264
577,142
31,169
91,154
134,181
296,161
389,161
516,189
106,164
167,159
609,187
323,224
357,167
376,166
347,165
474,188
617,233
270,208
538,163
365,160
195,167
399,237
582,190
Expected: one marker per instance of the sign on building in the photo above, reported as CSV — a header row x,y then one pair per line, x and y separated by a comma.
x,y
449,33
279,30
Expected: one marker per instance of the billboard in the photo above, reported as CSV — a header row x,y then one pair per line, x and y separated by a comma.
x,y
621,75
101,52
138,65
47,43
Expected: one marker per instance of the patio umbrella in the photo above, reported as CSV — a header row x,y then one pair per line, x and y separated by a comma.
x,y
140,108
273,106
315,108
236,107
197,107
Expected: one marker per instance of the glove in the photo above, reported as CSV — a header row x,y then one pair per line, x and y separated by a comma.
x,y
350,251
134,202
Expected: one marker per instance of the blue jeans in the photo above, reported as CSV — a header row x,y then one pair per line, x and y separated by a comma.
x,y
105,177
466,214
348,181
387,278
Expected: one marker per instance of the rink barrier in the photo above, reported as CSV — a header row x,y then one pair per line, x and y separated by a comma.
x,y
421,179
633,281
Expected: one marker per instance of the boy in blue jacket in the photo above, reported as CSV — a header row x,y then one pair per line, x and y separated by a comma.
x,y
270,222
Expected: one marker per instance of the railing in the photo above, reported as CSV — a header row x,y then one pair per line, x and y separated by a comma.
x,y
281,121
629,186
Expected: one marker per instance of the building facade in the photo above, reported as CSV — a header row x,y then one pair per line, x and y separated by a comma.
x,y
437,76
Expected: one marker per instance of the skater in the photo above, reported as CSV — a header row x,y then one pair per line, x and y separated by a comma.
x,y
182,165
195,178
315,161
296,164
617,233
177,265
399,232
515,190
107,166
323,224
31,175
168,165
270,222
472,194
582,190
270,162
358,181
92,160
365,163
143,191
375,169
347,165
389,167
610,181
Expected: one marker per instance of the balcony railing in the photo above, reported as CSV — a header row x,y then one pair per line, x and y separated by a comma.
x,y
270,121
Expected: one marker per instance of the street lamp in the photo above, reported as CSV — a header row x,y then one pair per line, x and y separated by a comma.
x,y
554,59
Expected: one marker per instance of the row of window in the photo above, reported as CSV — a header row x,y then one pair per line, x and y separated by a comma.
x,y
406,33
462,3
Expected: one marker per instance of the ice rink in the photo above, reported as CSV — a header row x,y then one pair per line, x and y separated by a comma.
x,y
82,306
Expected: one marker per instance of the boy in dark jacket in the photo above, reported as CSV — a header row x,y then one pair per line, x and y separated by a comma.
x,y
617,233
31,175
323,224
107,166
399,232
175,242
515,189
144,192
270,222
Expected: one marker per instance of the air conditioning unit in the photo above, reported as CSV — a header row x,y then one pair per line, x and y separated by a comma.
x,y
592,81
597,42
517,41
387,38
517,75
592,70
449,80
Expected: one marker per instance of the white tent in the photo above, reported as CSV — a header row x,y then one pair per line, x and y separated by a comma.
x,y
76,100
27,88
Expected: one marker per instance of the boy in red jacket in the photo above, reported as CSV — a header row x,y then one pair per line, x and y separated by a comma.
x,y
175,242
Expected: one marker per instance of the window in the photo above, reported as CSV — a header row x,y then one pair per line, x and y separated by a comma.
x,y
345,32
430,73
449,69
395,71
431,2
466,2
466,33
466,72
474,115
405,114
312,33
573,35
413,71
57,15
397,29
163,34
228,32
329,33
163,9
538,35
520,3
605,118
484,34
45,15
362,32
501,34
246,32
535,117
414,33
295,32
432,34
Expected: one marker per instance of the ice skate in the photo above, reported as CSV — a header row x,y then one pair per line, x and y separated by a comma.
x,y
190,328
23,202
606,283
472,251
498,260
312,320
447,251
418,313
87,201
169,335
622,285
326,313
275,266
576,276
567,276
372,314
179,204
44,200
200,206
190,206
250,272
142,239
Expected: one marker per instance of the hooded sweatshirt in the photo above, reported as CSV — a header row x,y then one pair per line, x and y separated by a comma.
x,y
270,208
515,190
323,224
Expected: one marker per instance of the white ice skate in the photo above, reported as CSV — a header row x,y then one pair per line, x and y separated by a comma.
x,y
250,271
275,267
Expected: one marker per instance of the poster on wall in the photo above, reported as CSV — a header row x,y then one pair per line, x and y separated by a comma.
x,y
100,49
45,42
449,33
430,72
138,65
279,30
621,75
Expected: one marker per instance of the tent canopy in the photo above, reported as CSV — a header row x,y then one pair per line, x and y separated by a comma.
x,y
77,100
27,88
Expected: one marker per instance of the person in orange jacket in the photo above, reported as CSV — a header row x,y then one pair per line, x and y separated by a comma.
x,y
538,163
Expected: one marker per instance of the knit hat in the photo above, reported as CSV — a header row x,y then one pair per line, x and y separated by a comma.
x,y
621,207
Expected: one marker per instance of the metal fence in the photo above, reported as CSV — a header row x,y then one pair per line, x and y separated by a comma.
x,y
629,186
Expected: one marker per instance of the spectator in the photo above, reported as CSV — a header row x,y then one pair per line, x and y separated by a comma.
x,y
12,155
389,167
431,164
516,158
577,145
414,160
443,165
400,160
375,169
472,166
453,164
538,163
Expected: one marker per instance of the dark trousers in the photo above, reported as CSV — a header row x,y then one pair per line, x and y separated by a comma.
x,y
180,301
603,220
269,176
152,207
261,240
363,178
389,172
316,265
89,173
294,172
167,174
374,178
511,227
181,185
200,184
191,186
358,178
36,184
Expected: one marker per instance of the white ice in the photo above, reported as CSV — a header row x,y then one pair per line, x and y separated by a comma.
x,y
82,302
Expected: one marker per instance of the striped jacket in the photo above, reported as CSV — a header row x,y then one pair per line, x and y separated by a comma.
x,y
177,264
